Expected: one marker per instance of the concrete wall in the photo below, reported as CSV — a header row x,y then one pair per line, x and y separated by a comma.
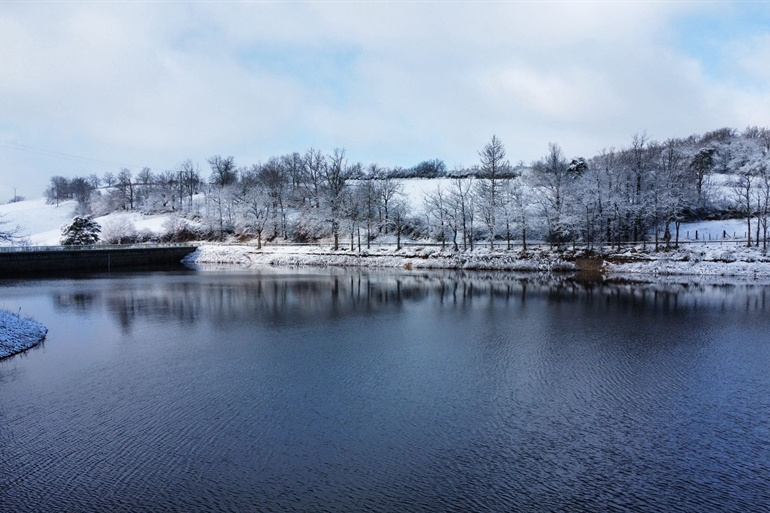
x,y
89,259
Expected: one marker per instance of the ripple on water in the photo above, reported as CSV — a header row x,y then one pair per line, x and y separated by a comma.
x,y
398,399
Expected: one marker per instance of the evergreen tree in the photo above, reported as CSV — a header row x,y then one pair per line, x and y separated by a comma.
x,y
81,231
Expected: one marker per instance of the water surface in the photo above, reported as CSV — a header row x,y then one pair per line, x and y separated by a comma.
x,y
343,391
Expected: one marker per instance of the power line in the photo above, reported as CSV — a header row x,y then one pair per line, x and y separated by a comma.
x,y
57,154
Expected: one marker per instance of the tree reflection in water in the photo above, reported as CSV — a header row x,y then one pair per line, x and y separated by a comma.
x,y
303,296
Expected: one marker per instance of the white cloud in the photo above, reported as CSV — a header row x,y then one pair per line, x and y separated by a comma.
x,y
153,84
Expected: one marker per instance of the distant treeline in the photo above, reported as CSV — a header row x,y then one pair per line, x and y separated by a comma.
x,y
637,193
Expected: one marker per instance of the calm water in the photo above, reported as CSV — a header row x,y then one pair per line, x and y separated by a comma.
x,y
347,391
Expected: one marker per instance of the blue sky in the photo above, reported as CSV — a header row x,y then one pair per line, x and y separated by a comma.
x,y
88,87
712,36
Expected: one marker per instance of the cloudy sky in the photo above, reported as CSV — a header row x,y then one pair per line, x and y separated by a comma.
x,y
90,87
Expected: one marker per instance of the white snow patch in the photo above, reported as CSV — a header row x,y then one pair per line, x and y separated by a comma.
x,y
41,223
38,220
706,260
727,230
17,334
699,260
414,257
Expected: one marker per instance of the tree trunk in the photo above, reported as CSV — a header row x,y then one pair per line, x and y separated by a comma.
x,y
748,232
676,241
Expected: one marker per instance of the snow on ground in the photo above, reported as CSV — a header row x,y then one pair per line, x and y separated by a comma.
x,y
38,220
415,257
697,260
154,223
41,223
17,334
416,188
708,260
716,230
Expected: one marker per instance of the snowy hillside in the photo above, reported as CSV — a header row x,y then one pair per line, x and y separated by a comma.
x,y
40,223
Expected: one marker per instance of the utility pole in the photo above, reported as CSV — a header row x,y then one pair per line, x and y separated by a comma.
x,y
14,194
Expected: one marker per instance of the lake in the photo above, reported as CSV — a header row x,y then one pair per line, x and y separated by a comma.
x,y
332,390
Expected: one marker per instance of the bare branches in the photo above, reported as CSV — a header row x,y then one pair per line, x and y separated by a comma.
x,y
9,234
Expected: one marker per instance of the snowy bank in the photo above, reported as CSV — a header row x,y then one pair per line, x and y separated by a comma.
x,y
18,335
415,257
712,260
707,260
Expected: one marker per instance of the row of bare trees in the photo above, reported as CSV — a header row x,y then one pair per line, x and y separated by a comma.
x,y
639,194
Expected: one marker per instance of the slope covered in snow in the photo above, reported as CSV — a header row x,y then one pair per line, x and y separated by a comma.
x,y
40,223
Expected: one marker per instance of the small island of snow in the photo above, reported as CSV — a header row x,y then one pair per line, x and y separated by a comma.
x,y
18,335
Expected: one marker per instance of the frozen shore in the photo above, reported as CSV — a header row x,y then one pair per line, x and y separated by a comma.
x,y
17,334
415,257
697,261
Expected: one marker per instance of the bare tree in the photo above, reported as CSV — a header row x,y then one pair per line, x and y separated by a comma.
x,y
551,175
108,179
388,189
59,190
314,165
336,174
189,181
701,165
461,206
126,188
274,178
743,191
369,201
258,205
9,234
763,202
294,167
399,211
494,168
435,206
223,171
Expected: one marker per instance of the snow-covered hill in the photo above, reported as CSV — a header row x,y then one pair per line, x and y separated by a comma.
x,y
40,223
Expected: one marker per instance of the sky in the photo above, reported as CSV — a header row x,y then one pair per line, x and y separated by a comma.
x,y
92,87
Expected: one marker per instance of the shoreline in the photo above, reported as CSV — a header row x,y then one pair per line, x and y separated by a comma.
x,y
714,262
18,335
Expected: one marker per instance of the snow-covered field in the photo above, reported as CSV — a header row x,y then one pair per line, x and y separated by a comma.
x,y
727,229
38,221
17,334
707,260
41,223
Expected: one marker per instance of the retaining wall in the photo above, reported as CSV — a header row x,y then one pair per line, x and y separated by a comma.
x,y
90,258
